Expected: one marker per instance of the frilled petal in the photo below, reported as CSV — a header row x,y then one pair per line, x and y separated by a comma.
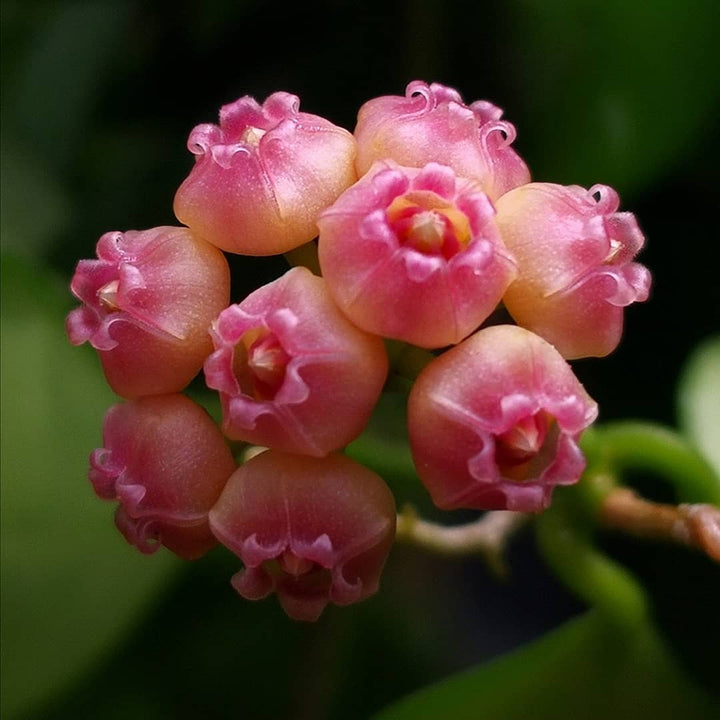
x,y
414,254
165,462
293,373
575,264
314,530
262,176
506,440
431,123
148,301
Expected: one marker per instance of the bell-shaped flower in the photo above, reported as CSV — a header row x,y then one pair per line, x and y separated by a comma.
x,y
494,422
433,124
262,176
148,301
312,530
293,373
414,254
165,461
575,264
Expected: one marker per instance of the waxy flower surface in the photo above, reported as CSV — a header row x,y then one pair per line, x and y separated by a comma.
x,y
494,422
293,373
414,254
575,264
262,176
312,530
166,462
431,123
148,301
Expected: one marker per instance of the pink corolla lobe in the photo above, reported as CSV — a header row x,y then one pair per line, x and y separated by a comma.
x,y
575,264
263,174
165,461
148,301
292,372
431,123
414,254
494,422
312,530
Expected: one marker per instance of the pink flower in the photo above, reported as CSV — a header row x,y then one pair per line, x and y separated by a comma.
x,y
262,176
574,254
148,301
494,422
414,254
432,124
166,462
292,372
311,530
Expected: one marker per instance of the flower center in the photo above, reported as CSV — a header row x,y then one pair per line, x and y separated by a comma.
x,y
519,446
290,563
107,296
429,225
252,135
259,363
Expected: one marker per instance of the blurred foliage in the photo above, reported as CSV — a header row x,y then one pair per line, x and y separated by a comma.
x,y
699,399
585,670
97,101
59,616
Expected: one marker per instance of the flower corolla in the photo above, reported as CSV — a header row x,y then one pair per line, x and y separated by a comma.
x,y
263,174
494,422
312,530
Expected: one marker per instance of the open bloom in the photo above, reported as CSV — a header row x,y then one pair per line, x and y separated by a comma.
x,y
312,530
432,124
575,269
292,371
262,176
414,254
148,301
494,422
165,461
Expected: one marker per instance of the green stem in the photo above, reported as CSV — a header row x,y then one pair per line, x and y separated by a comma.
x,y
590,574
636,445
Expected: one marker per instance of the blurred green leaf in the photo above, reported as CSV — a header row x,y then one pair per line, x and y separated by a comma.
x,y
699,400
619,89
71,585
585,670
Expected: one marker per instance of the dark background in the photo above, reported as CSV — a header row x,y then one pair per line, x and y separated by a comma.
x,y
97,102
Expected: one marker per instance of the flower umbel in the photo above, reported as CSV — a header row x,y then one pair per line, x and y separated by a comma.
x,y
494,422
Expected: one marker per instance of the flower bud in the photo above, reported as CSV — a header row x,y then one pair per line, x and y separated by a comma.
x,y
432,124
494,422
414,254
148,301
262,176
293,373
312,530
575,269
166,462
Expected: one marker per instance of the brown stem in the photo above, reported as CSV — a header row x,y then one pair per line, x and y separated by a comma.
x,y
693,525
487,536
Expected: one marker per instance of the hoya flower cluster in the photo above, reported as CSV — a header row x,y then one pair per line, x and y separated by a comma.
x,y
425,223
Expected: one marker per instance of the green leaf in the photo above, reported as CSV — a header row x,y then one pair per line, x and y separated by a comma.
x,y
71,585
585,670
699,400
